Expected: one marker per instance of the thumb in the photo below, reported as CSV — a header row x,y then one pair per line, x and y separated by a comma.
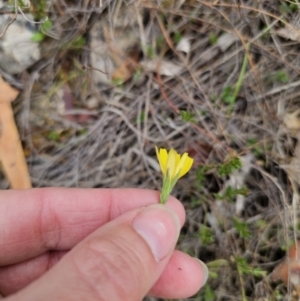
x,y
122,260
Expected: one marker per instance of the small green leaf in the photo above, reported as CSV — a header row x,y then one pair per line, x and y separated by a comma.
x,y
37,37
230,193
149,51
209,294
206,235
281,76
177,37
213,39
229,167
141,117
46,26
187,116
242,228
54,136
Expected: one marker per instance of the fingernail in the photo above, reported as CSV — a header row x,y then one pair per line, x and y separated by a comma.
x,y
159,226
204,270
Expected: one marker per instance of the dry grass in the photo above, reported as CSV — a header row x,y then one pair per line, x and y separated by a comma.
x,y
114,146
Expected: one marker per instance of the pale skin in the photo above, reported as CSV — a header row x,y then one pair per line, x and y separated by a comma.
x,y
93,244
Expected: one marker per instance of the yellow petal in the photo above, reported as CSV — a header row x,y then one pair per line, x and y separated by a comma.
x,y
180,163
171,163
162,157
187,166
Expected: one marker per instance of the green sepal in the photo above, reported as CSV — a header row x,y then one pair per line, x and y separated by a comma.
x,y
167,187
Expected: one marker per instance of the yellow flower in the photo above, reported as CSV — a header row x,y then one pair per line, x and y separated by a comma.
x,y
173,167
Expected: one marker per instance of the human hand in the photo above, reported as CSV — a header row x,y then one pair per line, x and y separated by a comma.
x,y
93,244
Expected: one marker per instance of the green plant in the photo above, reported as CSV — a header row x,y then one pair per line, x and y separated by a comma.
x,y
200,174
76,43
229,95
255,146
41,34
266,32
187,116
118,82
213,38
141,117
242,228
226,95
206,235
149,51
281,76
137,73
290,6
244,268
230,193
229,167
209,294
54,136
177,37
40,8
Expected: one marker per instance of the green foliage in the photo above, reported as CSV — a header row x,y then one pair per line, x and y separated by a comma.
x,y
177,37
77,43
227,95
213,38
289,7
266,32
255,146
281,77
160,41
41,34
37,37
81,132
230,193
149,51
196,202
37,7
46,26
242,228
229,167
19,2
206,294
209,294
200,174
141,117
137,74
277,294
54,136
245,269
118,82
206,235
261,223
187,116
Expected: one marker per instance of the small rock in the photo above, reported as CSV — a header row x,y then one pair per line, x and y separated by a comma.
x,y
92,102
17,50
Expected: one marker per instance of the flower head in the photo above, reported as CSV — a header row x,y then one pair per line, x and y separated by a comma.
x,y
173,167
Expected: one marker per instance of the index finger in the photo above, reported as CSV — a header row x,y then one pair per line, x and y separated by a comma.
x,y
34,221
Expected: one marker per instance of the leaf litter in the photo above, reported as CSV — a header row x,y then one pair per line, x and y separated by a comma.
x,y
130,75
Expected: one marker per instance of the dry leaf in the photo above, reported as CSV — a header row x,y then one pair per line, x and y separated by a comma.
x,y
292,121
162,67
226,40
126,68
184,45
11,152
289,34
289,269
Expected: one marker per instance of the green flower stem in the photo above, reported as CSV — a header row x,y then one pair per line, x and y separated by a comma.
x,y
167,188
